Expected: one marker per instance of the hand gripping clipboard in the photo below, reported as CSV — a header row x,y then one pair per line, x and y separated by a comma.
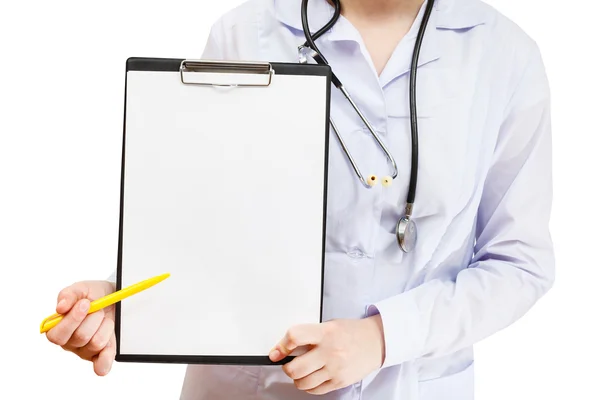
x,y
224,186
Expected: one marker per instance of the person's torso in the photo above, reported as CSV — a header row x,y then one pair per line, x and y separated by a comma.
x,y
464,69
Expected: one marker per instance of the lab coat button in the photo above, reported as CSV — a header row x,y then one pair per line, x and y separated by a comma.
x,y
356,253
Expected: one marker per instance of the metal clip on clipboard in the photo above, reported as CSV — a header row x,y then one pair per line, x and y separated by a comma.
x,y
219,73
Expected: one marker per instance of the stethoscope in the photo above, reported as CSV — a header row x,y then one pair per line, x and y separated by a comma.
x,y
406,229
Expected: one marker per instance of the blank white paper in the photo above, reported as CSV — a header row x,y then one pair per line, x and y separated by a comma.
x,y
224,189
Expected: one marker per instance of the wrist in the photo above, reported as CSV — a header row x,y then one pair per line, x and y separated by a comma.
x,y
375,327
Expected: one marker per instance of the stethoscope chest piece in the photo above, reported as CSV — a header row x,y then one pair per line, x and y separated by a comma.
x,y
406,234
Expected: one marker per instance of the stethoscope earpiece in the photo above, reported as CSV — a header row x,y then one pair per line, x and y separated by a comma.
x,y
387,181
372,180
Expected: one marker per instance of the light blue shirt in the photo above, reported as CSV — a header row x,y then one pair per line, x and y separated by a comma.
x,y
484,254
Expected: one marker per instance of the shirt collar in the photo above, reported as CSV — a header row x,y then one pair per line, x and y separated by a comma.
x,y
450,14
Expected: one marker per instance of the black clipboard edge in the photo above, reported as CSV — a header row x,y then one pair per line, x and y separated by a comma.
x,y
119,283
173,65
325,183
208,360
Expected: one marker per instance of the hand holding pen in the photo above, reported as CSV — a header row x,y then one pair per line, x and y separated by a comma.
x,y
84,322
90,336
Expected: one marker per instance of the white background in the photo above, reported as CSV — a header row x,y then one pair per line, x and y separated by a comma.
x,y
61,104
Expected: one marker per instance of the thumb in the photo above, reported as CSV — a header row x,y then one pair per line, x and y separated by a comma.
x,y
297,336
70,295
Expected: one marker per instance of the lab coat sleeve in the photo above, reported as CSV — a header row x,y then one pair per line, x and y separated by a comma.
x,y
513,263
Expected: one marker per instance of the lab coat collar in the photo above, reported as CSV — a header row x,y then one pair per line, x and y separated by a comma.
x,y
450,14
400,62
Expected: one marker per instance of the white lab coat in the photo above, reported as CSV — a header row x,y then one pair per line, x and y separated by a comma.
x,y
484,254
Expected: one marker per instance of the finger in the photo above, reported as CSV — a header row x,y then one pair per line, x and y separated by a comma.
x,y
104,360
325,387
69,296
313,380
84,333
304,365
299,335
62,332
100,339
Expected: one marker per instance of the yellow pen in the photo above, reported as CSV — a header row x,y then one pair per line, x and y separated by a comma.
x,y
106,301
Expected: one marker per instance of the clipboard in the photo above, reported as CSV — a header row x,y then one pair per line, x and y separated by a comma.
x,y
224,186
